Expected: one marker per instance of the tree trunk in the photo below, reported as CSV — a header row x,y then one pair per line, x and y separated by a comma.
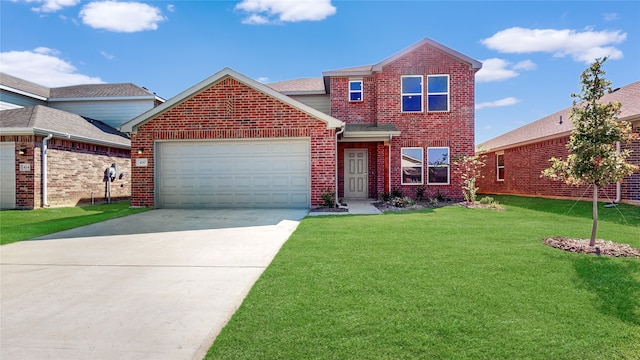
x,y
595,215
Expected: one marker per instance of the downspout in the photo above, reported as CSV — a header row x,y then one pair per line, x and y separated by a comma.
x,y
45,202
338,205
389,176
619,183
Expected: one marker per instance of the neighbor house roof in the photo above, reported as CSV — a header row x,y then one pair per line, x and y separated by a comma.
x,y
43,120
132,125
303,86
100,91
21,86
551,126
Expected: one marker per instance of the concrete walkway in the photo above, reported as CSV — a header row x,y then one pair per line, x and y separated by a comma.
x,y
155,285
356,207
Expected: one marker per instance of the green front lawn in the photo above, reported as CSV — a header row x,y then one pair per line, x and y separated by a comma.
x,y
449,283
17,225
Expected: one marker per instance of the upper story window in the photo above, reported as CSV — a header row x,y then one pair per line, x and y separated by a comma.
x,y
438,93
500,167
355,90
412,165
438,165
411,93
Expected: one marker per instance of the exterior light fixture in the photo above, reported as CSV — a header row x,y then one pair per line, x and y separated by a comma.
x,y
22,151
140,150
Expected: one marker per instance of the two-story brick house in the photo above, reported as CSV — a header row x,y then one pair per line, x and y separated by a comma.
x,y
230,141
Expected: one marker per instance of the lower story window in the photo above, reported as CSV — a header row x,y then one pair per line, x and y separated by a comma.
x,y
438,165
412,165
500,166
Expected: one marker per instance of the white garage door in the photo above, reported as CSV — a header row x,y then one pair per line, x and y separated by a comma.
x,y
7,175
234,174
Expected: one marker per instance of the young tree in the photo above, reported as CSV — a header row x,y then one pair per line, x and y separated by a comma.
x,y
469,168
593,158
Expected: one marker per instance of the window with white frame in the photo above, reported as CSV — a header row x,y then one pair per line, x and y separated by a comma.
x,y
355,90
411,93
500,167
437,93
412,165
438,165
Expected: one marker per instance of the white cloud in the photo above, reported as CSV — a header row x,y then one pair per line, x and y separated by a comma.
x,y
125,17
43,66
498,103
273,11
582,46
51,5
525,65
107,55
263,79
499,69
171,8
611,16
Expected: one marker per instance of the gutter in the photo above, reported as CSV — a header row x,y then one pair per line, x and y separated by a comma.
x,y
45,132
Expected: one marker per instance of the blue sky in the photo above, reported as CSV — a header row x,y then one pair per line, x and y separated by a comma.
x,y
532,51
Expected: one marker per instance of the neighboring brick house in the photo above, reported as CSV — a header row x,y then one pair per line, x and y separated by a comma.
x,y
78,153
230,141
515,160
80,149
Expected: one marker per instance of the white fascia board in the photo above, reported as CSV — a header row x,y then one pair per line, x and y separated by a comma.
x,y
132,125
103,98
24,93
60,135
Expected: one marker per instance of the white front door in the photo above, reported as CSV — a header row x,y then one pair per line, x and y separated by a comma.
x,y
356,182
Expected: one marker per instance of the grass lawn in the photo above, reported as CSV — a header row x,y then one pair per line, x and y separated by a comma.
x,y
17,225
449,283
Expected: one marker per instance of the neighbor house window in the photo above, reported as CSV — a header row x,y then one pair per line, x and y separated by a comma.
x,y
438,165
438,93
500,166
412,93
355,90
412,165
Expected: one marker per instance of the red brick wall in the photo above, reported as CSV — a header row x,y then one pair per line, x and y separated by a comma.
x,y
75,171
356,112
454,129
523,169
232,110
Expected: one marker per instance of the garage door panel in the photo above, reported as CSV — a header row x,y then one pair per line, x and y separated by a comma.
x,y
245,173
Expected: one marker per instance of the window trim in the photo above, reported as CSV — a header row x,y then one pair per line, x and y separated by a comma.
x,y
403,94
448,166
448,92
402,182
498,167
361,91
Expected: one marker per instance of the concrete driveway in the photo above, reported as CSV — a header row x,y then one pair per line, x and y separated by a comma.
x,y
156,285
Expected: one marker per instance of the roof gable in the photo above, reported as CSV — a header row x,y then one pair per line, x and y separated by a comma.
x,y
132,126
370,69
559,124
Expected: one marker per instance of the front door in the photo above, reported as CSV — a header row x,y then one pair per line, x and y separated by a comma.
x,y
356,182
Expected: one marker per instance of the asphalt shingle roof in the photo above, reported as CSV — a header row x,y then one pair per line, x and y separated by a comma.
x,y
49,119
99,90
299,85
24,85
550,126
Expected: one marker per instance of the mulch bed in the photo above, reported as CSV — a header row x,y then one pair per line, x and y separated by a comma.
x,y
601,248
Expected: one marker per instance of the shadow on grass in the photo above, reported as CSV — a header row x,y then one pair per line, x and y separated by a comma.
x,y
623,214
615,284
